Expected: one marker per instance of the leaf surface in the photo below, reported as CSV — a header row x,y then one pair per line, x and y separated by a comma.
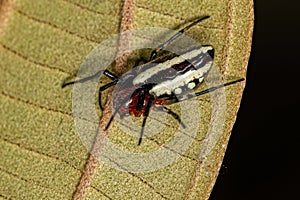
x,y
42,44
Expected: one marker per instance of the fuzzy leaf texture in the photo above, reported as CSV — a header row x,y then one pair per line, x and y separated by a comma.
x,y
45,42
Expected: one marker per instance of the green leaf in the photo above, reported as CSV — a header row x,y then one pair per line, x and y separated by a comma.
x,y
44,43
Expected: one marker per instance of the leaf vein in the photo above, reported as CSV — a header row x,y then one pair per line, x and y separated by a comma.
x,y
9,49
138,177
176,17
101,192
27,102
166,147
29,181
18,145
56,27
87,8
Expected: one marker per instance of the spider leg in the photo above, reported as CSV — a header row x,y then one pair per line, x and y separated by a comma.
x,y
141,98
217,87
110,75
114,114
107,73
146,114
174,99
104,87
169,111
155,52
111,118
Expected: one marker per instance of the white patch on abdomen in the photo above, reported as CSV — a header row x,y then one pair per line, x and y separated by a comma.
x,y
168,87
147,74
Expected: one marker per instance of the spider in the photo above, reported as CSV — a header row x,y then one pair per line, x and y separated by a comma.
x,y
163,80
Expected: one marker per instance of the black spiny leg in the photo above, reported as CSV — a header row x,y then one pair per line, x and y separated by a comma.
x,y
114,114
111,118
218,87
155,52
114,79
104,87
167,110
146,114
105,72
211,89
141,99
82,80
110,75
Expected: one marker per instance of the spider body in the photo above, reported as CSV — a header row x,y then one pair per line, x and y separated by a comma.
x,y
163,80
136,103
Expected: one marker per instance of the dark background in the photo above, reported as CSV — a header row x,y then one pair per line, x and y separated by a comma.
x,y
263,157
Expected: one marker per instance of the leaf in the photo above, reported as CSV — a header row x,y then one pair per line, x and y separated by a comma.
x,y
43,44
